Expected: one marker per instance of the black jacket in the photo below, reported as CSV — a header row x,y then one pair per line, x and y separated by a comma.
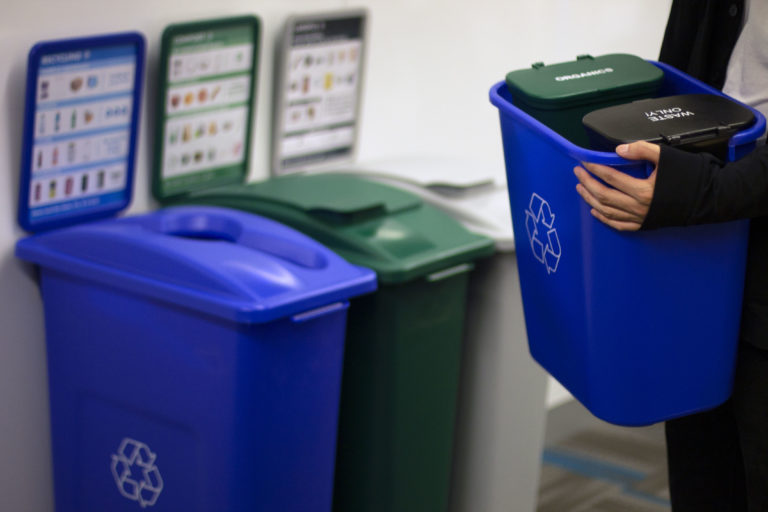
x,y
698,188
700,36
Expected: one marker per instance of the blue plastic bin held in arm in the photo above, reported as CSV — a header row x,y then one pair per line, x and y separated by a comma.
x,y
194,362
640,327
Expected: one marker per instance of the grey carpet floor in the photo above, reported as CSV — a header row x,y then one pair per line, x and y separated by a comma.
x,y
606,469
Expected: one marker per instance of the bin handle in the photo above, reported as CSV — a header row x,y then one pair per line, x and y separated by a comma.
x,y
306,316
450,272
202,226
341,216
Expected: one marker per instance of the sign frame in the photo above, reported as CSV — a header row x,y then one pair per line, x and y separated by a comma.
x,y
282,82
70,52
198,180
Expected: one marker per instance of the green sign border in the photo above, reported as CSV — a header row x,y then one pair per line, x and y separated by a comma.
x,y
208,177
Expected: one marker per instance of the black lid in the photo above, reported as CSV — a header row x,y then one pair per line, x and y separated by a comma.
x,y
671,120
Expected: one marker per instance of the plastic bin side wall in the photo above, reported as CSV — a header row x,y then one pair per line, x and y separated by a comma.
x,y
634,325
544,296
240,418
399,396
665,319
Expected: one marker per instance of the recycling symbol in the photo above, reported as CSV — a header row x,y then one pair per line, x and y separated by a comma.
x,y
540,223
135,473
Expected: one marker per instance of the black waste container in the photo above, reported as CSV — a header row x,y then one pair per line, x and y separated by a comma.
x,y
693,122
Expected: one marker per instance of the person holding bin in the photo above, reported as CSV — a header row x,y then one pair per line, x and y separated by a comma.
x,y
718,459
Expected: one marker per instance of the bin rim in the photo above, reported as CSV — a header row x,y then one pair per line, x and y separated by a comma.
x,y
581,154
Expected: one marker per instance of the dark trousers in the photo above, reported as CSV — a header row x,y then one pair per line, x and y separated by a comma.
x,y
718,459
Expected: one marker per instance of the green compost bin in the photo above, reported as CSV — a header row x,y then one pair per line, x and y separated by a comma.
x,y
403,348
560,95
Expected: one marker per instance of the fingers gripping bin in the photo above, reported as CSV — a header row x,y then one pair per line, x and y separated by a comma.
x,y
640,327
194,361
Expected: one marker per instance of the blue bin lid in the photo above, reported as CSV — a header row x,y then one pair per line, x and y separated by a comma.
x,y
231,264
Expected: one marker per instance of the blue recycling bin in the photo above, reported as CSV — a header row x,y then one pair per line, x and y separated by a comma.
x,y
194,358
639,327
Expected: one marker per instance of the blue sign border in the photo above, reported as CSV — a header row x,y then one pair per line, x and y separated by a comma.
x,y
33,69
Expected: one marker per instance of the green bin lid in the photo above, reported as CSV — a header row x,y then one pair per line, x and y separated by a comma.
x,y
386,229
582,81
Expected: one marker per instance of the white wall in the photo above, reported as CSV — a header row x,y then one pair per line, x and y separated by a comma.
x,y
430,65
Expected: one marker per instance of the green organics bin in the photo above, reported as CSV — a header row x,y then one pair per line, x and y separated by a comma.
x,y
560,95
403,351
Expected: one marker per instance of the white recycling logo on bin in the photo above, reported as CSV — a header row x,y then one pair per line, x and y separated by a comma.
x,y
542,235
135,472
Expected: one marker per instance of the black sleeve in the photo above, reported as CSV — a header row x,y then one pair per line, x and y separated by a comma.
x,y
700,35
697,188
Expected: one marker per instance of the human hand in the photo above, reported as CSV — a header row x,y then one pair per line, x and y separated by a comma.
x,y
625,206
